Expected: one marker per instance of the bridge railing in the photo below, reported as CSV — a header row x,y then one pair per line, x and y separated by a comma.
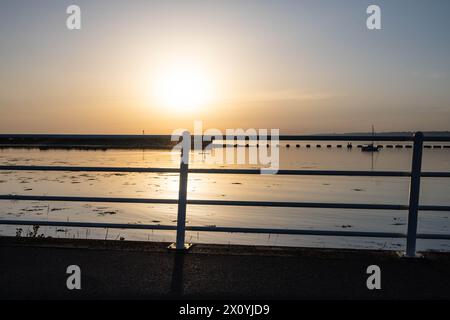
x,y
413,207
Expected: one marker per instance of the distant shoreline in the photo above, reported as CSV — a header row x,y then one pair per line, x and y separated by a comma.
x,y
164,142
87,142
81,147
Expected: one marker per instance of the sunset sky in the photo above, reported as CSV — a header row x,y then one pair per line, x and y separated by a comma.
x,y
300,66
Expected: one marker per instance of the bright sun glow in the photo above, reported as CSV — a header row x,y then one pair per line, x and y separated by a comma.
x,y
182,87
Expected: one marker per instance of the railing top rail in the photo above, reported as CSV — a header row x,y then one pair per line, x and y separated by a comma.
x,y
436,139
368,137
319,137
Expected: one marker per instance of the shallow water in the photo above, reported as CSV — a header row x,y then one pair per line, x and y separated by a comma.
x,y
229,187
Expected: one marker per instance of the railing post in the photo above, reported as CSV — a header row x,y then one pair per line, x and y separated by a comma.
x,y
182,194
414,193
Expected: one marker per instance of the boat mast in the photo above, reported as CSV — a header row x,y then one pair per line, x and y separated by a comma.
x,y
373,134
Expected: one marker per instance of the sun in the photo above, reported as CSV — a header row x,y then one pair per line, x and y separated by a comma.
x,y
183,87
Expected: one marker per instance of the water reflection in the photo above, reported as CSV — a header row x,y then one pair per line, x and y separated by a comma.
x,y
229,187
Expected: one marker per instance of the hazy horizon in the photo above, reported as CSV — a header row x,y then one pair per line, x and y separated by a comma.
x,y
300,66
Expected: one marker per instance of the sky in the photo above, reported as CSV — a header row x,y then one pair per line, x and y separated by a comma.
x,y
299,66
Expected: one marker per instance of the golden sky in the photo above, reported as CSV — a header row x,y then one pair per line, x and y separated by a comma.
x,y
300,66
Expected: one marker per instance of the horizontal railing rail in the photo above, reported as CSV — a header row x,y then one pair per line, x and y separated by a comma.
x,y
233,203
89,169
413,207
323,137
227,171
427,236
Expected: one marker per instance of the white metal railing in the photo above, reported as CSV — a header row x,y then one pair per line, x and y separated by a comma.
x,y
413,206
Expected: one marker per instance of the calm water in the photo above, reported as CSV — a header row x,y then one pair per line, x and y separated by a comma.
x,y
229,187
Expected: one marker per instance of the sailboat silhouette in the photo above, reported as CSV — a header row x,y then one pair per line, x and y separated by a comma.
x,y
371,147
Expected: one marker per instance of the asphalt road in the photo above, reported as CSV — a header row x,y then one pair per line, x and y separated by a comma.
x,y
36,269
